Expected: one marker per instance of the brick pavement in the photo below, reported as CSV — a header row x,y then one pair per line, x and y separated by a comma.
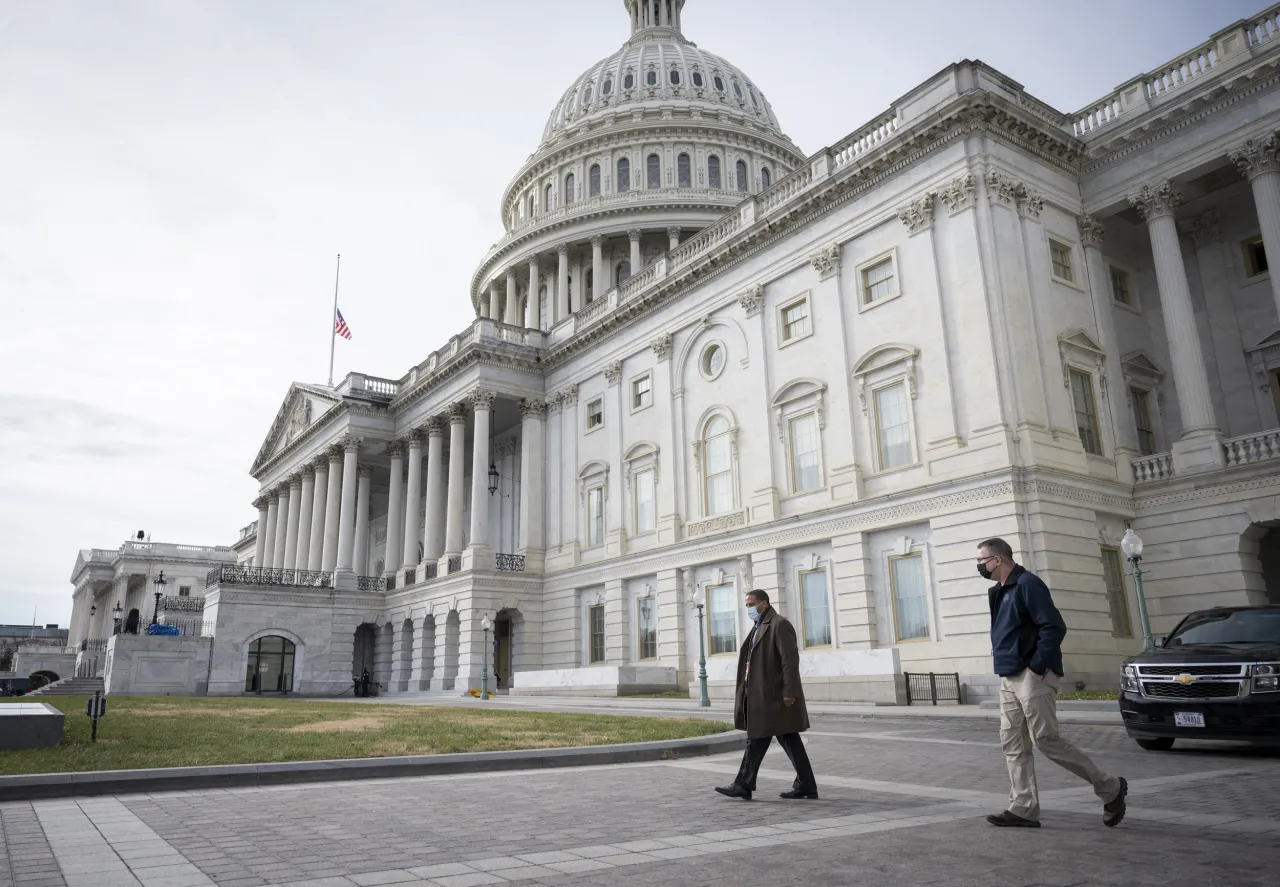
x,y
902,803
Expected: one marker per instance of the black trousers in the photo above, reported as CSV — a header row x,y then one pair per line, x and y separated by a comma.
x,y
793,746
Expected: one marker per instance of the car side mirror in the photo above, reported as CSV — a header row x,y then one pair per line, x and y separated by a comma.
x,y
1158,640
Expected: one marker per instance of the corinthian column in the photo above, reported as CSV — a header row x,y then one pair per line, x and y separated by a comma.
x,y
433,535
1091,237
395,507
512,314
634,236
413,494
1200,447
531,306
260,535
315,545
361,558
333,504
481,406
282,527
347,514
1259,161
532,516
457,457
269,544
562,281
305,516
673,237
291,523
597,267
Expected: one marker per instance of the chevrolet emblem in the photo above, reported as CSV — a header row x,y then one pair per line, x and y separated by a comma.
x,y
1185,679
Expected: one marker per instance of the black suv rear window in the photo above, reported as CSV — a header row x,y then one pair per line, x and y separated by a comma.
x,y
1228,627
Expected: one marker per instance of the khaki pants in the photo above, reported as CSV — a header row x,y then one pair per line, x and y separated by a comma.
x,y
1029,714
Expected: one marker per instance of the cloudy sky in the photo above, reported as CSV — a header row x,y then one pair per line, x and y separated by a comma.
x,y
176,177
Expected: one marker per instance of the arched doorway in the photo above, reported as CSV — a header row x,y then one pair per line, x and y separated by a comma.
x,y
1269,555
362,655
131,623
270,667
506,630
43,679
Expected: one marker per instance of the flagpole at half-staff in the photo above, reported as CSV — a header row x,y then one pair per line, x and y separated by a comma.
x,y
333,319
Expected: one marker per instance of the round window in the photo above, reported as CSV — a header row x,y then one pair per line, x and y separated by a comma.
x,y
713,360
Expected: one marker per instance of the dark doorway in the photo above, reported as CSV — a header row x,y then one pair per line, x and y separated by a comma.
x,y
362,657
270,668
131,623
502,637
1269,554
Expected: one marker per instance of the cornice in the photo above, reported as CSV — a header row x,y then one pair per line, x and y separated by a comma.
x,y
473,354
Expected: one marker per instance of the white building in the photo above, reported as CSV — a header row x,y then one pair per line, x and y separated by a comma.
x,y
704,361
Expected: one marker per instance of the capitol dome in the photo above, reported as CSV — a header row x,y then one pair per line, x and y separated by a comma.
x,y
647,147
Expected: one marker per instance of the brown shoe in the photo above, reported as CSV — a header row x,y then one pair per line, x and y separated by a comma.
x,y
1008,819
1113,811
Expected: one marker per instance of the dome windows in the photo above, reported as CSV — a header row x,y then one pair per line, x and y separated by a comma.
x,y
719,83
570,188
593,180
674,75
546,203
737,89
651,78
713,172
586,94
629,81
624,175
684,171
744,184
607,88
697,79
653,171
765,179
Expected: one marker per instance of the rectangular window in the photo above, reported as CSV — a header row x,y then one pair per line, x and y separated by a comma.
x,y
1142,420
910,611
596,613
644,493
877,281
641,392
722,612
795,320
719,456
184,591
1086,413
1120,286
817,614
595,517
1060,256
595,413
806,474
1117,600
1275,389
893,433
1255,257
647,610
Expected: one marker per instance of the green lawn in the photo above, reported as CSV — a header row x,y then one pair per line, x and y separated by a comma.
x,y
168,731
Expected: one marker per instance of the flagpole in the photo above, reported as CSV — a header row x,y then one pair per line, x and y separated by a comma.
x,y
333,319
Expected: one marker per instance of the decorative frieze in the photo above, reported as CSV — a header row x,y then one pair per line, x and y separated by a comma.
x,y
663,346
826,262
719,524
1257,157
1152,203
752,301
959,193
1091,231
917,215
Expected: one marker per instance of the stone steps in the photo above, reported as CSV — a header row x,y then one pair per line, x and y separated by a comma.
x,y
70,687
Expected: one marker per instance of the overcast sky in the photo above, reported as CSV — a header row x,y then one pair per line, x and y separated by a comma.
x,y
176,178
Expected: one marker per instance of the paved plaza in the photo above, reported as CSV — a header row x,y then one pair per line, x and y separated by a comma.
x,y
902,803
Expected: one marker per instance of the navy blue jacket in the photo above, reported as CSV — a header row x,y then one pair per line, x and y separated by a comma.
x,y
1026,628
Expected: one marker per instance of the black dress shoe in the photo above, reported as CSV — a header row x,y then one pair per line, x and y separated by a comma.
x,y
733,790
1113,811
1012,820
797,794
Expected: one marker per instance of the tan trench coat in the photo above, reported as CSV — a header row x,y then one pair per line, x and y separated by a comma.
x,y
775,675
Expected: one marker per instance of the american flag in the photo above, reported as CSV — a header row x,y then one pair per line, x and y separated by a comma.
x,y
340,326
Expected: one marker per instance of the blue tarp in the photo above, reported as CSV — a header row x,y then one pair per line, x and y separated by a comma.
x,y
163,629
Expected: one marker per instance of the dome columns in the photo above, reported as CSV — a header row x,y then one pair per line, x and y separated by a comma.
x,y
562,282
531,304
654,14
597,267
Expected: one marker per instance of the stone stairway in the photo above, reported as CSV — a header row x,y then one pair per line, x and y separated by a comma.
x,y
70,687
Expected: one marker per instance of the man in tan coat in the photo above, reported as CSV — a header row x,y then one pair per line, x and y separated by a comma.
x,y
770,701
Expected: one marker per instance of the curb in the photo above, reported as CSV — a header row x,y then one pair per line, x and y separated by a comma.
x,y
110,782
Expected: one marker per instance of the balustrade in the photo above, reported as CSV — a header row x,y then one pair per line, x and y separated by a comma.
x,y
1247,449
1153,468
229,575
509,563
370,583
455,564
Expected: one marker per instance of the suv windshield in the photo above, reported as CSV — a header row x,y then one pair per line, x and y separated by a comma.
x,y
1228,627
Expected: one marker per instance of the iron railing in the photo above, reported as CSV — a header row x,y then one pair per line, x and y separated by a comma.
x,y
933,688
509,563
182,604
429,571
371,583
229,575
391,583
455,564
190,628
93,645
410,577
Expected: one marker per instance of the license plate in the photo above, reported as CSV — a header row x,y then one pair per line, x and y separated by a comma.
x,y
1188,719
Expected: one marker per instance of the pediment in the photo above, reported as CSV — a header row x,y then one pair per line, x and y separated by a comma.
x,y
1139,365
1080,339
302,406
1271,340
885,355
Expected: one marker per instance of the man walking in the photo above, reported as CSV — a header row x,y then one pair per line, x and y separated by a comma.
x,y
770,701
1026,637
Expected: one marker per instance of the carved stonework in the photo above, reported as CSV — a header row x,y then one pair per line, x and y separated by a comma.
x,y
597,239
1257,157
569,396
1001,190
395,449
752,301
335,455
1204,229
261,503
826,262
717,524
634,235
414,439
482,399
959,193
457,413
917,215
299,420
553,402
321,462
532,408
307,471
663,346
613,372
364,470
673,233
1152,203
1091,231
744,574
1030,204
351,443
434,426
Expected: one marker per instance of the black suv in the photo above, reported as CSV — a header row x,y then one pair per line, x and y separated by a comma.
x,y
1216,676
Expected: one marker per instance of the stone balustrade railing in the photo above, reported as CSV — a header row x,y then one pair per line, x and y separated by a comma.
x,y
1249,448
849,149
1153,468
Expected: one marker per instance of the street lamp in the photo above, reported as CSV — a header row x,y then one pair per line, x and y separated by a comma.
x,y
484,667
699,601
1131,545
118,613
159,584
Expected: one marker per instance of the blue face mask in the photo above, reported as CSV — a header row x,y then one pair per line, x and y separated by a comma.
x,y
753,614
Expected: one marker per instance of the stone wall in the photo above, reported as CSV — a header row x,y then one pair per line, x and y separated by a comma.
x,y
157,665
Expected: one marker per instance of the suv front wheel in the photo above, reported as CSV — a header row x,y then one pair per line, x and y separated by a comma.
x,y
1160,743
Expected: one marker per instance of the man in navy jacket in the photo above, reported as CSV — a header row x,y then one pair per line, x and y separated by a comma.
x,y
1026,649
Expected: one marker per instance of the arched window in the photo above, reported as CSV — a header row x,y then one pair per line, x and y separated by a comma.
x,y
750,92
653,171
586,94
651,78
697,78
529,206
570,189
765,179
737,89
713,171
675,77
624,271
629,81
743,183
684,173
624,176
719,83
717,467
270,668
593,180
607,88
546,202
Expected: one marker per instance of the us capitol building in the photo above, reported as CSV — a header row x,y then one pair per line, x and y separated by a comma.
x,y
704,361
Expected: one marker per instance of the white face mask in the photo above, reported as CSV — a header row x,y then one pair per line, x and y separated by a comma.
x,y
753,614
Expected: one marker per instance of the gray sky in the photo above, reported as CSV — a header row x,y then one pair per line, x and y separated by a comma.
x,y
176,178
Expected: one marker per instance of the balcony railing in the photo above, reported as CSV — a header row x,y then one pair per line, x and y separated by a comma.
x,y
1247,449
182,604
228,575
93,645
370,583
1153,468
187,628
429,571
509,563
455,564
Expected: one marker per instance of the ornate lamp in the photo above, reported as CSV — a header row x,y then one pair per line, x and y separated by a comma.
x,y
493,478
1131,545
484,668
159,583
700,601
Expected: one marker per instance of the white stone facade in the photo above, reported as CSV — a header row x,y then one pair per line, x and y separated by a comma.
x,y
975,316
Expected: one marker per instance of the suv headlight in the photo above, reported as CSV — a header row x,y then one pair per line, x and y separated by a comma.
x,y
1266,677
1129,679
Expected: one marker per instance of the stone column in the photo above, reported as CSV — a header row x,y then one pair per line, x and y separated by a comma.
x,y
577,298
365,475
395,508
1200,448
597,267
531,308
495,303
634,236
456,499
562,281
291,523
347,515
1123,428
333,505
440,678
512,314
532,516
481,409
421,666
1260,162
260,540
673,237
413,494
304,517
433,533
282,527
315,546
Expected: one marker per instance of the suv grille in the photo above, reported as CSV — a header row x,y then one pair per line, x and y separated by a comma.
x,y
1206,680
1198,690
1226,669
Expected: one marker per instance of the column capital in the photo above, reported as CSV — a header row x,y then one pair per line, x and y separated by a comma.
x,y
434,426
663,346
261,502
351,443
958,194
395,449
412,439
826,262
634,235
306,471
752,300
1257,157
321,462
511,275
673,230
457,413
482,398
917,214
1091,231
569,396
532,407
295,481
363,470
1154,202
562,249
613,372
1204,229
597,240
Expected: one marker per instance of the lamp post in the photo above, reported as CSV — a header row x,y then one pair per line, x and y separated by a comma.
x,y
1131,545
484,666
118,613
159,583
705,701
